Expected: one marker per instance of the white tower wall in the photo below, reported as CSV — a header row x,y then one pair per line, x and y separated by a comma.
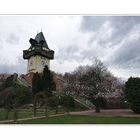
x,y
37,64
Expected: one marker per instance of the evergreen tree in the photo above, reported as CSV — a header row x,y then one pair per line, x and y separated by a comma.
x,y
36,88
45,84
36,83
46,78
132,91
52,83
47,81
67,102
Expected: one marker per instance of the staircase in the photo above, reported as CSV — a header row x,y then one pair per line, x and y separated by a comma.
x,y
22,81
85,103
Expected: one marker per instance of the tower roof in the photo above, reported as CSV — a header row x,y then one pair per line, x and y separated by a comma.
x,y
38,46
41,40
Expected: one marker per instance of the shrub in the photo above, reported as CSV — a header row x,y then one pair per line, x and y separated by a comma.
x,y
67,102
132,91
53,102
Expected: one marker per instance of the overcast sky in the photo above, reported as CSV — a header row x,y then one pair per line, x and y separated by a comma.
x,y
76,40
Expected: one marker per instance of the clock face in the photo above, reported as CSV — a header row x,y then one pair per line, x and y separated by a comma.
x,y
43,62
31,62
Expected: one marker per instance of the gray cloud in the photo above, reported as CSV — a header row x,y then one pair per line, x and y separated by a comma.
x,y
121,51
12,39
92,23
1,43
121,25
127,57
68,53
19,67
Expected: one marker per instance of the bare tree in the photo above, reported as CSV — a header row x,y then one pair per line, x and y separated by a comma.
x,y
91,82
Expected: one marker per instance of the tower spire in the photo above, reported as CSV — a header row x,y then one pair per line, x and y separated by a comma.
x,y
41,29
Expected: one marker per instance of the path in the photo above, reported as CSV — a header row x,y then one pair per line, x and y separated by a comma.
x,y
32,118
108,113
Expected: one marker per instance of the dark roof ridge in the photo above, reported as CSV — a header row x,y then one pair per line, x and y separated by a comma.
x,y
41,39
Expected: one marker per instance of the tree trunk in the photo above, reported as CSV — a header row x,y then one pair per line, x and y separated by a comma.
x,y
46,110
34,111
56,110
68,113
15,115
7,114
67,110
97,109
34,106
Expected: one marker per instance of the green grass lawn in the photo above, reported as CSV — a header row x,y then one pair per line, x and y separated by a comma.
x,y
21,114
83,120
26,114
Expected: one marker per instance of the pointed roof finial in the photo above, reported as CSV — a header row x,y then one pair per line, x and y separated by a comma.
x,y
41,29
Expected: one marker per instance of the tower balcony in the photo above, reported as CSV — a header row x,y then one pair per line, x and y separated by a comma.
x,y
38,51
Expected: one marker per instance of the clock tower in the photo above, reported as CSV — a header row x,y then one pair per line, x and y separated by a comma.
x,y
38,55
